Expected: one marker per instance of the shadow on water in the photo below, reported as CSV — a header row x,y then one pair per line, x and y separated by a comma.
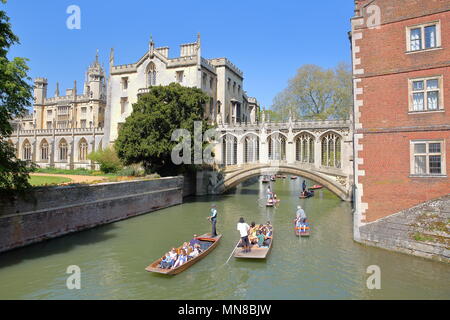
x,y
56,246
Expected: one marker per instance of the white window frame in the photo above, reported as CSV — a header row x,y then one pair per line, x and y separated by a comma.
x,y
422,27
427,154
411,92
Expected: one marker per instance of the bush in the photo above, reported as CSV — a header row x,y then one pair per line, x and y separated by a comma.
x,y
132,171
108,160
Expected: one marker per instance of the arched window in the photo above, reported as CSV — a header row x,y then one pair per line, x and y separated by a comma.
x,y
331,150
26,150
82,150
277,147
44,150
251,149
229,150
151,75
304,148
63,150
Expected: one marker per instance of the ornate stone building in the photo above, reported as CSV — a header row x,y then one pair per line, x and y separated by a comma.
x,y
64,129
220,79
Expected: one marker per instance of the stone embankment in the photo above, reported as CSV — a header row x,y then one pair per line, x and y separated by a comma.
x,y
422,231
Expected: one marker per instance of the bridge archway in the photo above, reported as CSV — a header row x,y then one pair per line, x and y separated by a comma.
x,y
232,179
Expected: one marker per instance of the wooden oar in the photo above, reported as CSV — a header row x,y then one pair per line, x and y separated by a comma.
x,y
233,251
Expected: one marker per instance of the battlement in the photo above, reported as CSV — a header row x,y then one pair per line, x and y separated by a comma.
x,y
221,62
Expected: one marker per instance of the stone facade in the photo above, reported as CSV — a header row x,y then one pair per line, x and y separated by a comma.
x,y
220,79
64,129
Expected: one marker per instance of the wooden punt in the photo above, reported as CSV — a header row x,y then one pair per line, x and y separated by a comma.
x,y
316,187
270,203
310,194
154,267
255,253
300,233
294,177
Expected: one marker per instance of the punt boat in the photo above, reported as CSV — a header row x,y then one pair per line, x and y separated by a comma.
x,y
206,241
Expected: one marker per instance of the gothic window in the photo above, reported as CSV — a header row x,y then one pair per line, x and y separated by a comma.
x,y
277,147
26,150
44,150
331,150
229,150
251,149
63,150
151,75
83,150
304,148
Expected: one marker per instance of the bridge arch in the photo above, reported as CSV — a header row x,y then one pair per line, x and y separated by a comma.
x,y
234,178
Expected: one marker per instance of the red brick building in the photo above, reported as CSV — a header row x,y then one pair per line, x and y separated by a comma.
x,y
401,67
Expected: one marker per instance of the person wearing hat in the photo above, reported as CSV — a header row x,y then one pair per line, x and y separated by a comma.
x,y
213,218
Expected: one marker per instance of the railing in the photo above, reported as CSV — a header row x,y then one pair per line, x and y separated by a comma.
x,y
65,131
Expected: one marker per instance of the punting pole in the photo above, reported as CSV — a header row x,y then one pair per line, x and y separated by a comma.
x,y
233,251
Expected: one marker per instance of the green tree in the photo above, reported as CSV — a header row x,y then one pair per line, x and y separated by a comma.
x,y
317,93
15,96
108,160
145,137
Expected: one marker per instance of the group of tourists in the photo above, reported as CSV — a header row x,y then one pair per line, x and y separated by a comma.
x,y
254,235
177,257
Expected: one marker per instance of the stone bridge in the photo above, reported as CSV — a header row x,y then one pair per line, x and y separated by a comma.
x,y
318,150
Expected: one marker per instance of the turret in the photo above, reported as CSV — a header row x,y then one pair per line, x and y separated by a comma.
x,y
40,91
95,80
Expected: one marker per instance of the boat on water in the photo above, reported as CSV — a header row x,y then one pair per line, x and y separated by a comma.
x,y
272,178
207,243
270,203
265,179
294,177
255,253
309,194
315,187
301,232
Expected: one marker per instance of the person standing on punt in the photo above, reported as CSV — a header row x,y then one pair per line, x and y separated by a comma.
x,y
304,185
301,216
213,218
243,231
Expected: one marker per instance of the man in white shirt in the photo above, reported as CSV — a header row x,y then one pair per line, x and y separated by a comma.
x,y
243,231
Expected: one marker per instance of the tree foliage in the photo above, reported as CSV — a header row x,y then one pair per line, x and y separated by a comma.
x,y
317,93
108,160
15,96
145,137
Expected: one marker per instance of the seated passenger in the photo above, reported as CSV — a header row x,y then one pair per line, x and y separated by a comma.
x,y
194,241
261,239
173,257
182,258
165,262
252,233
194,252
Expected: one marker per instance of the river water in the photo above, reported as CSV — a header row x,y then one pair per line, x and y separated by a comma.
x,y
328,265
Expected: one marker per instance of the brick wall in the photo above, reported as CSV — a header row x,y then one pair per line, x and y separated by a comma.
x,y
384,126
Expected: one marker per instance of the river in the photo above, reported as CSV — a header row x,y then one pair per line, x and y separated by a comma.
x,y
328,265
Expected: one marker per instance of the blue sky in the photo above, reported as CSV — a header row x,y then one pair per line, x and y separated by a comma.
x,y
268,40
